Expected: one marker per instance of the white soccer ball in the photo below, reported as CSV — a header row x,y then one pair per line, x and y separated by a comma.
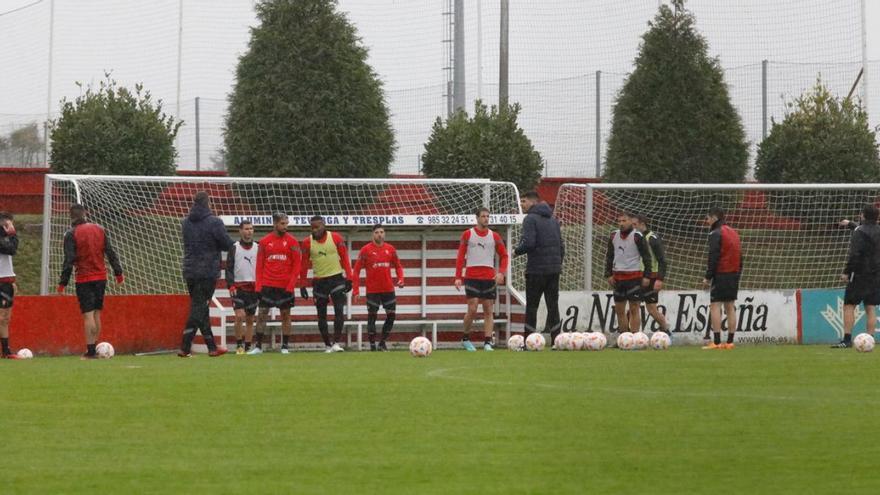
x,y
420,347
561,342
535,342
640,341
25,353
660,341
516,343
626,342
105,350
596,341
577,342
864,342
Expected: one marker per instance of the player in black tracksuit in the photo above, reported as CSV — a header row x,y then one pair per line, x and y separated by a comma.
x,y
862,274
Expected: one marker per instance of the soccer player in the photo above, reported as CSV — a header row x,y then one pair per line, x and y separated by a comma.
x,y
722,274
8,248
476,260
327,255
657,272
85,246
204,237
241,279
377,258
542,242
627,268
862,275
278,262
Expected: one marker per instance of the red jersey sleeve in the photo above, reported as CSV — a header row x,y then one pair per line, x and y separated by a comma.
x,y
305,260
296,260
501,249
261,253
343,254
358,265
462,252
398,266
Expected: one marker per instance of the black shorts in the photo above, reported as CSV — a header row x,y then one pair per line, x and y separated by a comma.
x,y
628,290
650,295
7,294
862,289
91,295
480,289
276,297
328,288
725,287
247,300
387,300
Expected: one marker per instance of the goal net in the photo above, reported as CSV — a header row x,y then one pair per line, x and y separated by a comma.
x,y
143,214
791,238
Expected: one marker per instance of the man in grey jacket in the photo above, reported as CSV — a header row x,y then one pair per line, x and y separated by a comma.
x,y
542,242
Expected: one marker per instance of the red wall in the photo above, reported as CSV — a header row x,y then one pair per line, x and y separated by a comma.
x,y
53,325
21,189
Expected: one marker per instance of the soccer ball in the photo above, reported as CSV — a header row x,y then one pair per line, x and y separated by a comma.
x,y
660,341
596,341
25,354
104,350
561,342
640,341
626,342
535,342
420,347
864,342
516,343
577,341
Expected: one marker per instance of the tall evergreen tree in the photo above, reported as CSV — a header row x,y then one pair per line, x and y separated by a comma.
x,y
305,101
673,119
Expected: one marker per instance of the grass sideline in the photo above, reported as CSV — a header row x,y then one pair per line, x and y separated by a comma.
x,y
794,419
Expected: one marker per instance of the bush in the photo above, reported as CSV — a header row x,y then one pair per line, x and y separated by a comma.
x,y
490,145
673,120
822,139
305,101
113,131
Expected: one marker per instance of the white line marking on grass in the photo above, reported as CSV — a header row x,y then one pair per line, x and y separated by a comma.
x,y
448,374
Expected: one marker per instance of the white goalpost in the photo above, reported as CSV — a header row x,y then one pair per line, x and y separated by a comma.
x,y
791,238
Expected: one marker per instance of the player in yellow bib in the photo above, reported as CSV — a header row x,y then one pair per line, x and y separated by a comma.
x,y
327,255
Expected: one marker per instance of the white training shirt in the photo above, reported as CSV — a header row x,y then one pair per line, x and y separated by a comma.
x,y
626,253
481,249
245,263
6,270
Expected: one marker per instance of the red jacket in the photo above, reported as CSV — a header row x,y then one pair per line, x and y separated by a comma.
x,y
725,251
278,261
85,245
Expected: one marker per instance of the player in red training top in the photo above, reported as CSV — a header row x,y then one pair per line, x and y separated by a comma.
x,y
722,275
328,257
85,245
377,258
476,258
278,262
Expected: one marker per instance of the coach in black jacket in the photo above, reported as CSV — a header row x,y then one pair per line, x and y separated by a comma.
x,y
542,242
204,236
862,274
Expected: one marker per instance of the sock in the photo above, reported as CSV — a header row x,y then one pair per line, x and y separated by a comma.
x,y
239,342
247,346
259,343
717,338
465,337
284,340
847,338
487,341
5,342
729,337
90,349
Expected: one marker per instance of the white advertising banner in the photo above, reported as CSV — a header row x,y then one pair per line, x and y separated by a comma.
x,y
769,317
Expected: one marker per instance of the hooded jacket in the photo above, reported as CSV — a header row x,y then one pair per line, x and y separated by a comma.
x,y
864,251
542,241
204,236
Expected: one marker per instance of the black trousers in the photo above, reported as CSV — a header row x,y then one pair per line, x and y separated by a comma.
x,y
546,285
201,290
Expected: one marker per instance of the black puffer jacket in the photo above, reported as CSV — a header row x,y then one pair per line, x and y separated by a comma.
x,y
204,236
864,251
542,241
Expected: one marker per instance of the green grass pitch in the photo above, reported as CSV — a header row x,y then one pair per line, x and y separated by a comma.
x,y
753,420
